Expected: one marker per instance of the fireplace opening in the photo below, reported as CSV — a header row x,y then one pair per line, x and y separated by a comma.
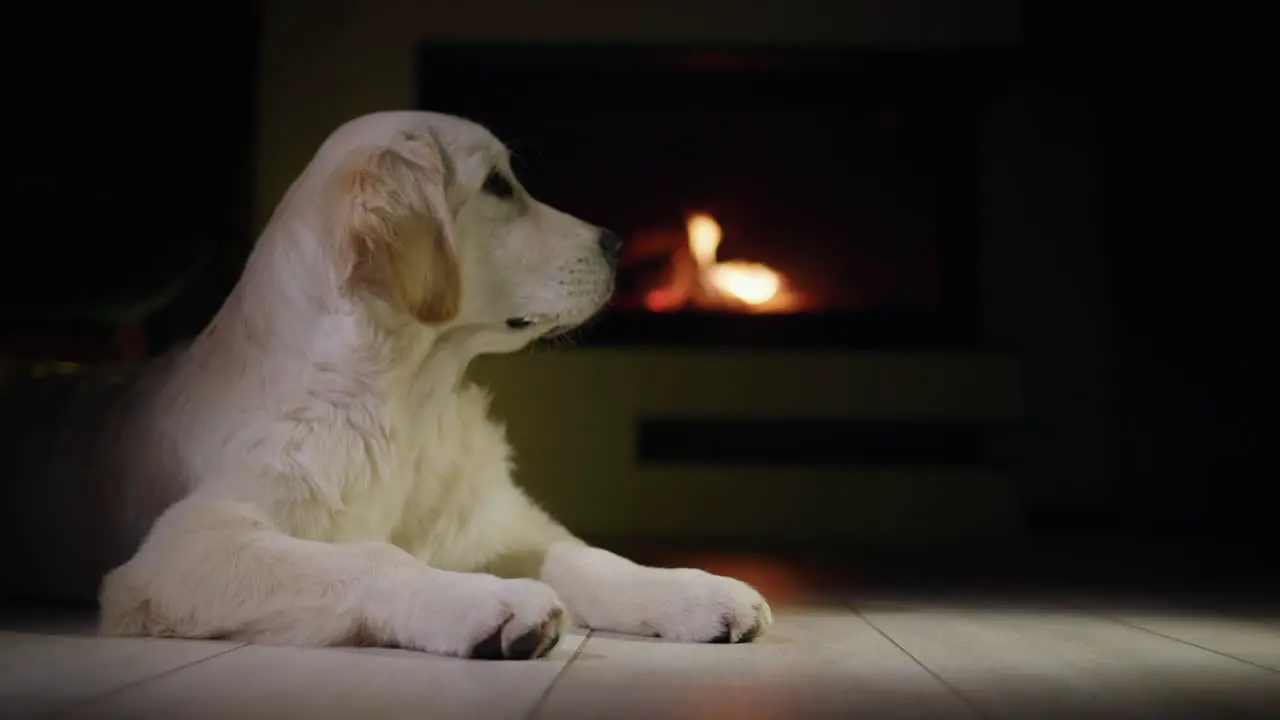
x,y
767,197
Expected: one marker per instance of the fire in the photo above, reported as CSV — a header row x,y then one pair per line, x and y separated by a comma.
x,y
748,286
704,238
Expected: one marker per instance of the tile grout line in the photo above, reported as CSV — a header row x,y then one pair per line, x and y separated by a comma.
x,y
964,699
1198,646
542,699
1102,614
80,704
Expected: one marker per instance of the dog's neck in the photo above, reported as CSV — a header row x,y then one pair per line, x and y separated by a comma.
x,y
281,335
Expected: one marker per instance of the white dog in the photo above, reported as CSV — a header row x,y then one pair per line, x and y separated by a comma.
x,y
314,468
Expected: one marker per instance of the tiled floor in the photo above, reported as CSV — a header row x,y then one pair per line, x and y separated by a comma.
x,y
870,655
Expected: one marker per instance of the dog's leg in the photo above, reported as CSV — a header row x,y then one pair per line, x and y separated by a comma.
x,y
216,569
605,591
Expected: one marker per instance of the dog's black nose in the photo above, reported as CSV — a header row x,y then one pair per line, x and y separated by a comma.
x,y
610,245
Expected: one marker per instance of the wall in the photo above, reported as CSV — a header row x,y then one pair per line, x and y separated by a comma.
x,y
1046,294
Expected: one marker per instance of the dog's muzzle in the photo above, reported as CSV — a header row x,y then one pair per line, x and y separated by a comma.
x,y
611,248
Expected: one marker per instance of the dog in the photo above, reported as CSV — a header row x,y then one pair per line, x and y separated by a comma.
x,y
314,467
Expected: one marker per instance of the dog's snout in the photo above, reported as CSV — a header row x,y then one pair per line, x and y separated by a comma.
x,y
610,245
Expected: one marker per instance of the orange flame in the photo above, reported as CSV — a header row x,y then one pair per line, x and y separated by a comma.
x,y
745,285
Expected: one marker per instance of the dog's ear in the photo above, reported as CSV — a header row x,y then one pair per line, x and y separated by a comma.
x,y
396,232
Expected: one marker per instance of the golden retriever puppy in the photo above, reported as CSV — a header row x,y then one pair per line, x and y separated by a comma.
x,y
315,469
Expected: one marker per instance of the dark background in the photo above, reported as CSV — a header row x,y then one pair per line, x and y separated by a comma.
x,y
129,163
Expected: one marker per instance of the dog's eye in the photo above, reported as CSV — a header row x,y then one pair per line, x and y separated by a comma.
x,y
498,185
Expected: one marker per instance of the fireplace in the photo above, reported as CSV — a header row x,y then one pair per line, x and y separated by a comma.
x,y
769,197
792,350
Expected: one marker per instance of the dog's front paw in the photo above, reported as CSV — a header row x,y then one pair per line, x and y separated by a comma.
x,y
488,618
695,606
529,621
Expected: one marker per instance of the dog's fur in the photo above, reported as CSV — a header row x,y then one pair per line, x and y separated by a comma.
x,y
314,469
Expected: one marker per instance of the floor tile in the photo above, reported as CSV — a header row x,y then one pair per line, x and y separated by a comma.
x,y
1247,639
42,673
1235,626
929,654
364,683
812,664
1044,662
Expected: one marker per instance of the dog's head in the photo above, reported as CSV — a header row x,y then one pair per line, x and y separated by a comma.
x,y
429,223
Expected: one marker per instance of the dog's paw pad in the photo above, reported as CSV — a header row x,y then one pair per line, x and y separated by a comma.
x,y
534,643
489,648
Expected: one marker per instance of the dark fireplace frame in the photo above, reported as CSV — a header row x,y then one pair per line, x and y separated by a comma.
x,y
964,80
